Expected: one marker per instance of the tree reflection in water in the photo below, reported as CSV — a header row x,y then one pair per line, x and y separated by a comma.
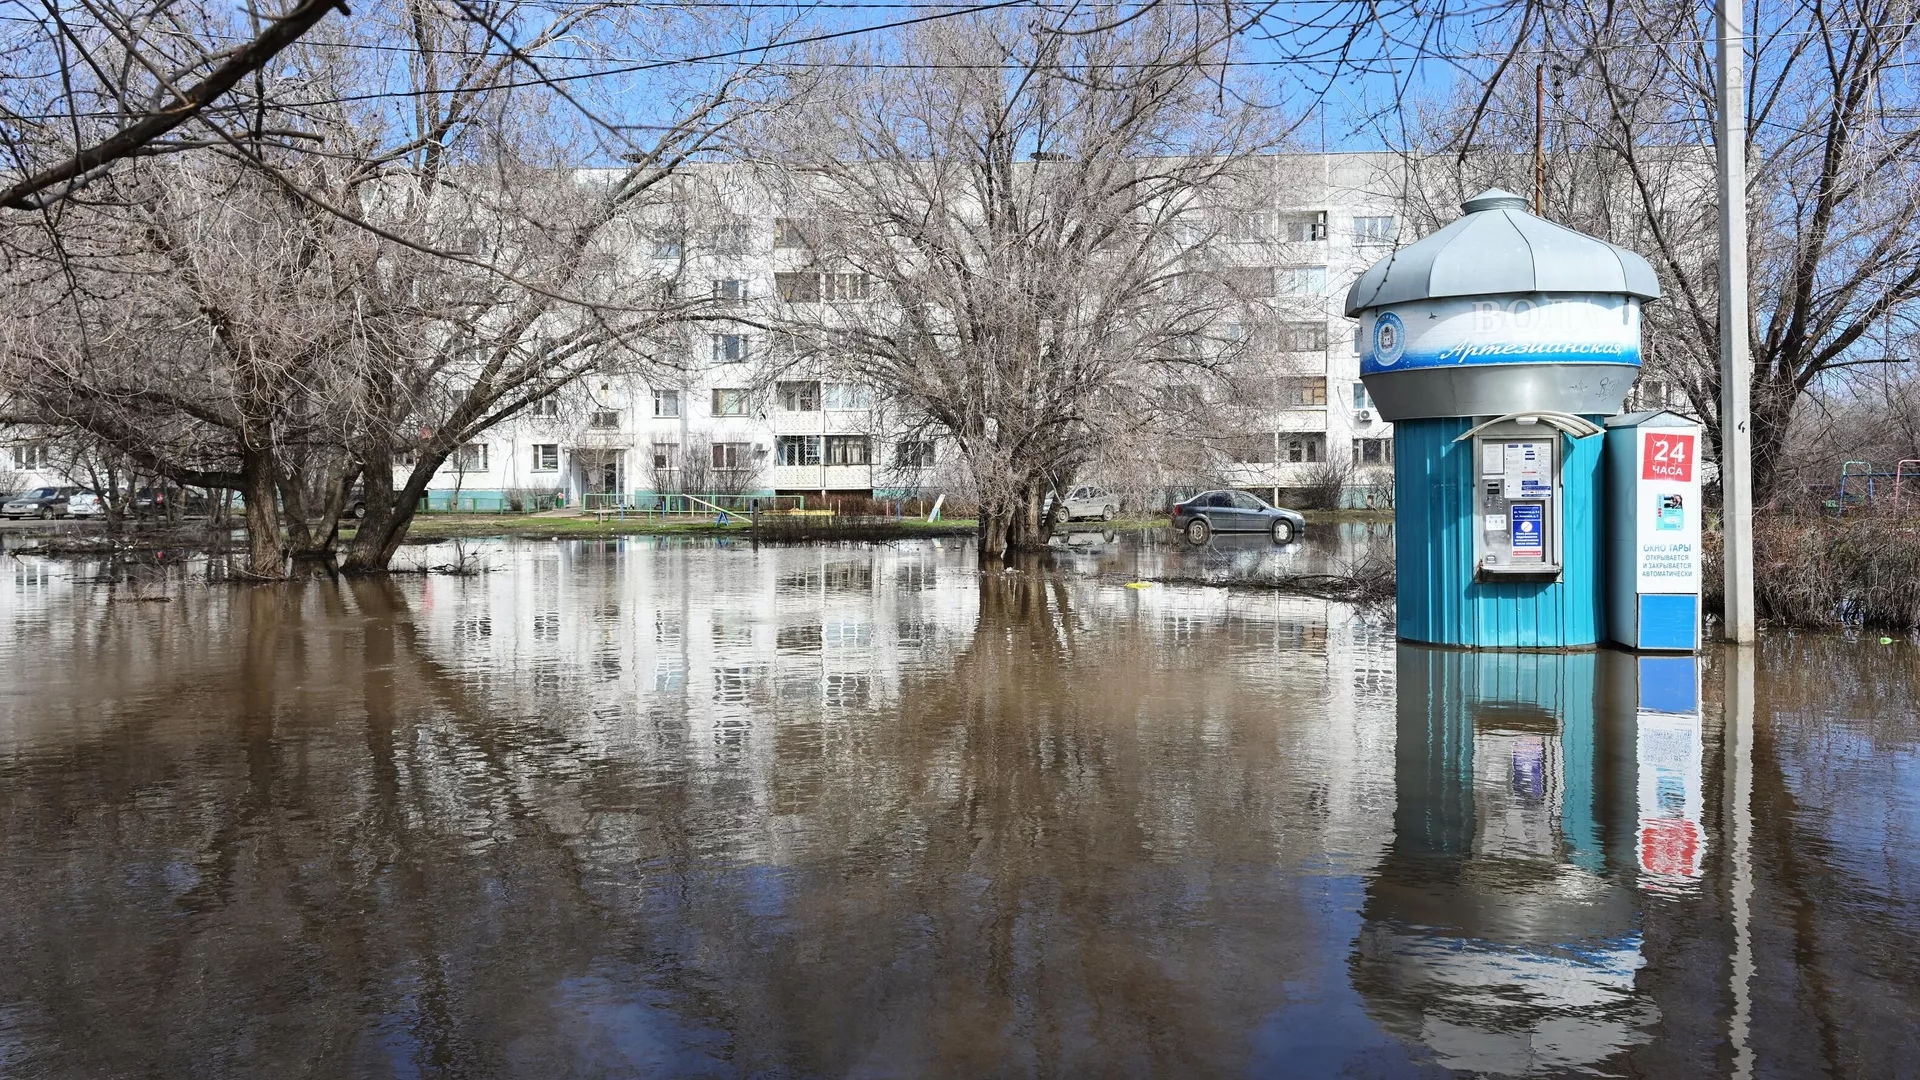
x,y
697,810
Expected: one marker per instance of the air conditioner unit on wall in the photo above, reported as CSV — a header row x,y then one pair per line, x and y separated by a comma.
x,y
1363,416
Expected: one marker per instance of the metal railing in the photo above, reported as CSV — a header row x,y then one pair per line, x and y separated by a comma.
x,y
495,503
621,505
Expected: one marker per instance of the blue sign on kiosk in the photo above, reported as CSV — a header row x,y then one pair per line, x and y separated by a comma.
x,y
1499,346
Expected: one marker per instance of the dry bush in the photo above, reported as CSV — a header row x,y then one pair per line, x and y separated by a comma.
x,y
1827,573
1325,481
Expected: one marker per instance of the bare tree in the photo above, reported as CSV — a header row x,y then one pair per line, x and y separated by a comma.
x,y
1012,242
288,323
89,85
1834,183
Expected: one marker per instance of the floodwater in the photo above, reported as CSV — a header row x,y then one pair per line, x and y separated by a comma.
x,y
654,808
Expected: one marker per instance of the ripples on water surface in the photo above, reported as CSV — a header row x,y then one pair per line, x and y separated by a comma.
x,y
651,808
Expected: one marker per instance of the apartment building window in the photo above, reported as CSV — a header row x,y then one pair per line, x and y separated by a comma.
x,y
732,401
845,288
729,348
1308,226
1246,226
798,287
1360,398
1251,450
913,454
731,236
1303,280
1304,447
30,456
729,288
1654,394
1248,281
799,397
1374,230
798,449
663,455
813,287
470,458
546,457
847,397
604,419
1303,336
730,456
848,450
791,233
666,403
545,408
1373,451
669,247
405,459
1303,392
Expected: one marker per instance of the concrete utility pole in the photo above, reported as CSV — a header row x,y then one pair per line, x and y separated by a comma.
x,y
1736,363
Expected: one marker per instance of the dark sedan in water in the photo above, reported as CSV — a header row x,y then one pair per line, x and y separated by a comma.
x,y
1210,512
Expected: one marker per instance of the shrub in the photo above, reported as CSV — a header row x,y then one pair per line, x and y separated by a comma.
x,y
1820,572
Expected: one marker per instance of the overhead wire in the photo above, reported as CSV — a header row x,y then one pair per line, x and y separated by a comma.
x,y
1374,64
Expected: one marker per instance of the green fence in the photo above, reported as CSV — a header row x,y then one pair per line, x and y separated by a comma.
x,y
489,502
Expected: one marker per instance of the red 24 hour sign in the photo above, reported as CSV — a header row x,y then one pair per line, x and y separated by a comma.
x,y
1666,455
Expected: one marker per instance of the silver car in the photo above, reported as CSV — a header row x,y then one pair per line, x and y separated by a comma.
x,y
46,502
1087,501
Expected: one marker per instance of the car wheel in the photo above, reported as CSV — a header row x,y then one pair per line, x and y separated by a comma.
x,y
46,513
1282,531
1198,531
1107,512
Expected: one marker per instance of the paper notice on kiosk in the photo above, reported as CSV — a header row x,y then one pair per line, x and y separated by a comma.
x,y
1527,471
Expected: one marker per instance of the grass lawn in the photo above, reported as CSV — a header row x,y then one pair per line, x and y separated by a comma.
x,y
445,526
532,527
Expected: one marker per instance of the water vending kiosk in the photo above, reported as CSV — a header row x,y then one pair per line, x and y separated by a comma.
x,y
1498,346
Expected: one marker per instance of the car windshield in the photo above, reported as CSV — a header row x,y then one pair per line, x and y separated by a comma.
x,y
40,493
1247,502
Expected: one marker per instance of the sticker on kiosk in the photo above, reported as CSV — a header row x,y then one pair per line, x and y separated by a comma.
x,y
1666,455
1529,541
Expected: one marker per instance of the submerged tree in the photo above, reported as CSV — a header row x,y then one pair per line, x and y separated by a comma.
x,y
288,322
1012,237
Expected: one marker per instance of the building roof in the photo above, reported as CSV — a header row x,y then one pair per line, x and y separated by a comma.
x,y
1498,247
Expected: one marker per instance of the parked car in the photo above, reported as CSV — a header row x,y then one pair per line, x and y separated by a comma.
x,y
1087,501
1229,511
155,502
84,504
45,502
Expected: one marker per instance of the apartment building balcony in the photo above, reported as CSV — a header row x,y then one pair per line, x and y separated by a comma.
x,y
790,422
847,421
823,477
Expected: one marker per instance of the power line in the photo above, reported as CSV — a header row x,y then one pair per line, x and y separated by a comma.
x,y
1380,64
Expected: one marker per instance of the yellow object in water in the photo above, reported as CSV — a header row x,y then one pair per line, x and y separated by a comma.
x,y
1139,584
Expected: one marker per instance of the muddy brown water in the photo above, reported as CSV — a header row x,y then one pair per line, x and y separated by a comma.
x,y
654,808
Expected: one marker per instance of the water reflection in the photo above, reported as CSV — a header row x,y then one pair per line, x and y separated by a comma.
x,y
1497,935
679,808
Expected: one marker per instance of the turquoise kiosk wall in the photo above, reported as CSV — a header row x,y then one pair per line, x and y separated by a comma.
x,y
1497,346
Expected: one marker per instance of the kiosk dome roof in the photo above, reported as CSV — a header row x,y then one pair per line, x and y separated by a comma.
x,y
1497,247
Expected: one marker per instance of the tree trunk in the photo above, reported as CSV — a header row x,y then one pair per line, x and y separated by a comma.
x,y
265,556
389,512
995,519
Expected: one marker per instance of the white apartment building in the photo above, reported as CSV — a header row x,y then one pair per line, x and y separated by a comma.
x,y
622,439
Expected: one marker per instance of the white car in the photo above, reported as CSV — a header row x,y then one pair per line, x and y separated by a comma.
x,y
84,504
1087,501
